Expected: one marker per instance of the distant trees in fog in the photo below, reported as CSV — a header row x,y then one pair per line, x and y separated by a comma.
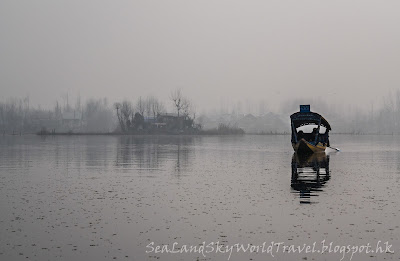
x,y
182,104
376,119
124,114
98,116
178,100
132,117
13,114
387,119
149,115
95,115
16,116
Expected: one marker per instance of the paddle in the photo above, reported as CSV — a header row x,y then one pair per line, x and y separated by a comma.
x,y
334,148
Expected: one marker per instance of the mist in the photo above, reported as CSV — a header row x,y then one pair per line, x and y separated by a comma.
x,y
77,115
219,52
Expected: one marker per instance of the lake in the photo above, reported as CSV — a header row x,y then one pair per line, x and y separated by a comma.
x,y
198,198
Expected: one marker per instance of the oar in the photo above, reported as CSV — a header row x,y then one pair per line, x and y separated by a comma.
x,y
334,148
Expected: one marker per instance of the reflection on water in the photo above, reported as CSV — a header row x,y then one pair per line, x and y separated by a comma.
x,y
309,175
153,152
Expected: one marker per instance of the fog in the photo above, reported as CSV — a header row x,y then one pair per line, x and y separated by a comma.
x,y
226,56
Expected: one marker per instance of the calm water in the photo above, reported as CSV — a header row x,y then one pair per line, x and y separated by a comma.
x,y
105,198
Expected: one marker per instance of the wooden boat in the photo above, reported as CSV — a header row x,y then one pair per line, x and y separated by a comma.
x,y
307,134
310,172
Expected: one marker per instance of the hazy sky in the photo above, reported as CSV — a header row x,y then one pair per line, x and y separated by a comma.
x,y
215,51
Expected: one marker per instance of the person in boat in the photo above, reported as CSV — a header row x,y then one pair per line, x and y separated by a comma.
x,y
313,134
300,135
311,141
325,139
314,131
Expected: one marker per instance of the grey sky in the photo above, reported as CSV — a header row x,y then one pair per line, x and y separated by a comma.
x,y
215,51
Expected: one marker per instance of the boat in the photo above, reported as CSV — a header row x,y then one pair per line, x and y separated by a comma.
x,y
310,173
310,131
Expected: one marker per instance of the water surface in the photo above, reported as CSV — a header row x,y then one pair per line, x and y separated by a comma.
x,y
108,197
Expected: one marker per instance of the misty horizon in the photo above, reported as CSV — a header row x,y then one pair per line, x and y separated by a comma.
x,y
241,107
218,53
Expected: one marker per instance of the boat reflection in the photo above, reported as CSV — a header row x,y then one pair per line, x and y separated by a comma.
x,y
309,175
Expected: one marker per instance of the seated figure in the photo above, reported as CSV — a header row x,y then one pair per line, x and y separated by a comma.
x,y
300,135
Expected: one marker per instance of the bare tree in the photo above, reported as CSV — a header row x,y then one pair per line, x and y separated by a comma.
x,y
189,111
140,106
57,111
78,106
126,112
193,111
157,107
186,107
153,106
148,105
118,106
178,100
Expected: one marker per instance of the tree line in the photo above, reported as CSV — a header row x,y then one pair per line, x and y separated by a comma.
x,y
145,114
149,113
17,116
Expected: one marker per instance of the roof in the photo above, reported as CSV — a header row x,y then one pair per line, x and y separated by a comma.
x,y
304,118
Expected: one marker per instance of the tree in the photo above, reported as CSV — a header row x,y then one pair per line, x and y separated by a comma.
x,y
178,100
118,106
186,107
126,112
138,121
140,106
156,107
148,105
78,103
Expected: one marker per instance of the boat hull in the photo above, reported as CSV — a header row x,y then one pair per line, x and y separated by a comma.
x,y
305,147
